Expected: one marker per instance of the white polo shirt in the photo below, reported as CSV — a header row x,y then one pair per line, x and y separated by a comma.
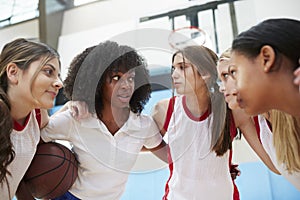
x,y
266,137
105,160
197,173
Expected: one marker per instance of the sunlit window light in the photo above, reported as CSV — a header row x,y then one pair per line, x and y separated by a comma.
x,y
81,2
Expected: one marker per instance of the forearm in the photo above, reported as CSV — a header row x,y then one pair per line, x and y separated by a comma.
x,y
161,151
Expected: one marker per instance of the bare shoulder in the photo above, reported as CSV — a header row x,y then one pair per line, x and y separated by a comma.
x,y
159,112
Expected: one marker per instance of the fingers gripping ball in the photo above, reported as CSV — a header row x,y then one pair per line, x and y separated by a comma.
x,y
52,171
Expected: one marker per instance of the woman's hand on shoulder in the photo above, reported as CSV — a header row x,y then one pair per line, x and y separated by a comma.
x,y
79,109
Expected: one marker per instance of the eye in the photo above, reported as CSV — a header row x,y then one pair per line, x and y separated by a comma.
x,y
116,77
182,66
48,71
131,79
225,76
172,69
232,71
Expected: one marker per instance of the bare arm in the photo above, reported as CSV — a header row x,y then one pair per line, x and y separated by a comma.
x,y
247,126
159,114
161,151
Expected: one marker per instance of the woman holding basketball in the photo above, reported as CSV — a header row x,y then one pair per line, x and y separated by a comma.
x,y
198,142
29,81
113,81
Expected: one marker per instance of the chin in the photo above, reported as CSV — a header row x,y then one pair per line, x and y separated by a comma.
x,y
47,105
233,106
251,112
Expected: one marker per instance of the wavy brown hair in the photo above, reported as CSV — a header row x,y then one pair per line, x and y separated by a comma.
x,y
21,52
205,61
6,125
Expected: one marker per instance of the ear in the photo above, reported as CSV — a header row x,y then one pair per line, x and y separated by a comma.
x,y
12,72
267,54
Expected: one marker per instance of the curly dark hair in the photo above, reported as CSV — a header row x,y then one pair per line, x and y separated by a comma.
x,y
88,72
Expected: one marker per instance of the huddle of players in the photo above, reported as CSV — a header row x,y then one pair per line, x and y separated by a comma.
x,y
108,130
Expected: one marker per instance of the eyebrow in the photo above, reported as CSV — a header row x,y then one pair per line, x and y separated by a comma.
x,y
183,63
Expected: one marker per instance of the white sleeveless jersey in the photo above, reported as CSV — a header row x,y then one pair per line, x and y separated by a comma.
x,y
266,138
197,172
24,144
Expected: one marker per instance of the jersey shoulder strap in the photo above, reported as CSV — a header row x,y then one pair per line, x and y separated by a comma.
x,y
169,112
38,116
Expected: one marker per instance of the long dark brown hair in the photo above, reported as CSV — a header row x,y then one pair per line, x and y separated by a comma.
x,y
205,61
21,52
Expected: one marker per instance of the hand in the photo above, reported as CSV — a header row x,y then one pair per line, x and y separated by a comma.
x,y
79,110
297,79
234,171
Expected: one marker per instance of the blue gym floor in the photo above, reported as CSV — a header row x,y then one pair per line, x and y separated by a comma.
x,y
256,182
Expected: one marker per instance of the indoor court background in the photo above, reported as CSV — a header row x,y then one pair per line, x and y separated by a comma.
x,y
70,28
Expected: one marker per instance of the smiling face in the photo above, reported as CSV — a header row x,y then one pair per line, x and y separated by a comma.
x,y
227,86
118,89
39,89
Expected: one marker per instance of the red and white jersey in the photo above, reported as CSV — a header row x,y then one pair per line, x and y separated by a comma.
x,y
196,171
266,137
24,140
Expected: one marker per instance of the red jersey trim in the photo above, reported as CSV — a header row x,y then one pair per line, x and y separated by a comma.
x,y
169,112
19,127
190,115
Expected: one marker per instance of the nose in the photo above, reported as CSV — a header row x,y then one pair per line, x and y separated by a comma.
x,y
126,83
174,74
58,83
221,87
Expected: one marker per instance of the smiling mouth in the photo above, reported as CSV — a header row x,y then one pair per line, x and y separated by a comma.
x,y
124,98
53,94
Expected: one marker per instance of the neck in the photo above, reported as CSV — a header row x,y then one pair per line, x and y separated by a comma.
x,y
287,91
291,104
198,103
114,118
19,108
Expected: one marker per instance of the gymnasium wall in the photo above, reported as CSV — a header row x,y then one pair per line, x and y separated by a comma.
x,y
89,24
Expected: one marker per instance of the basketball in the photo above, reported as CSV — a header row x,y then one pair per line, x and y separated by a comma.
x,y
52,171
